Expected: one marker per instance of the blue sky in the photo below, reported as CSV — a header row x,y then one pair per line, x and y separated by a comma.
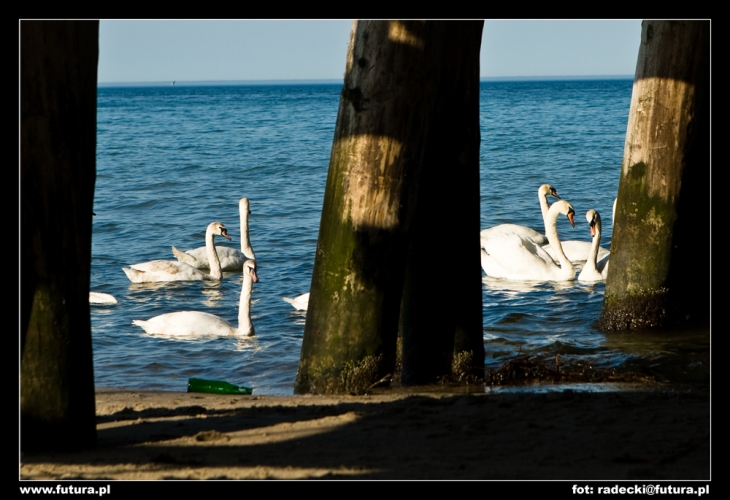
x,y
204,50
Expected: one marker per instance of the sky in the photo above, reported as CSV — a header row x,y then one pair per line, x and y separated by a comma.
x,y
236,50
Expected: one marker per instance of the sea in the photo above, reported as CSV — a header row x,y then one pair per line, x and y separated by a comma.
x,y
171,159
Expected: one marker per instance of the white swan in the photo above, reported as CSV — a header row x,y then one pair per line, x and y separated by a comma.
x,y
231,259
542,193
515,257
197,323
580,251
172,270
299,303
101,298
595,269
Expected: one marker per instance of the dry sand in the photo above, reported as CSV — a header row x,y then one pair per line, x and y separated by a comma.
x,y
648,432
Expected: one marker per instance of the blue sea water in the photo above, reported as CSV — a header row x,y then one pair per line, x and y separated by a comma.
x,y
172,159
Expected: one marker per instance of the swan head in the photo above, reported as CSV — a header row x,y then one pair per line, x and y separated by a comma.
x,y
219,229
564,207
243,206
249,268
547,189
594,219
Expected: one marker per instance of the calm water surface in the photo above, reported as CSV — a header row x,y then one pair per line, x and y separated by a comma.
x,y
172,159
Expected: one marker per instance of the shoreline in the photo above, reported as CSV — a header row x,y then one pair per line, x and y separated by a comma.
x,y
641,432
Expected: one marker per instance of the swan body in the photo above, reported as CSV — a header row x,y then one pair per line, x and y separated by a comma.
x,y
170,270
577,251
101,298
542,193
595,269
231,259
524,231
198,323
516,257
299,303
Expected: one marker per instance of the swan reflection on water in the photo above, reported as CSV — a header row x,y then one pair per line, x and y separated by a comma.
x,y
250,344
239,343
212,296
504,285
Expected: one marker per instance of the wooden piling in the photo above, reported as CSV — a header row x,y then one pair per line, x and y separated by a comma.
x,y
659,268
387,103
441,312
58,69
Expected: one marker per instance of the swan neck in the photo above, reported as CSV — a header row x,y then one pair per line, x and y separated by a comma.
x,y
245,243
544,207
593,255
213,261
245,326
551,231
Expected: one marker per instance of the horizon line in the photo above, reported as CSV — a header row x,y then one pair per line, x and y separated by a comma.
x,y
201,83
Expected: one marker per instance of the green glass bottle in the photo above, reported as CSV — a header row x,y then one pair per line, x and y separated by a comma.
x,y
216,387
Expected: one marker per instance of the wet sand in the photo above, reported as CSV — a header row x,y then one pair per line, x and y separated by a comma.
x,y
648,432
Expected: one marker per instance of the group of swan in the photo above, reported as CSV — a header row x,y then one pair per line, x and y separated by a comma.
x,y
230,258
170,270
515,252
509,251
187,268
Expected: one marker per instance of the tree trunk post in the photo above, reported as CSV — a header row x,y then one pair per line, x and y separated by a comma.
x,y
659,270
442,332
58,171
385,108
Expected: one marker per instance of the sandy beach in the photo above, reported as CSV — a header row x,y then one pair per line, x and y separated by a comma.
x,y
641,432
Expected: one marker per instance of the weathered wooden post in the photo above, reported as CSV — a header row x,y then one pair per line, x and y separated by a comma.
x,y
441,330
660,251
386,105
58,69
